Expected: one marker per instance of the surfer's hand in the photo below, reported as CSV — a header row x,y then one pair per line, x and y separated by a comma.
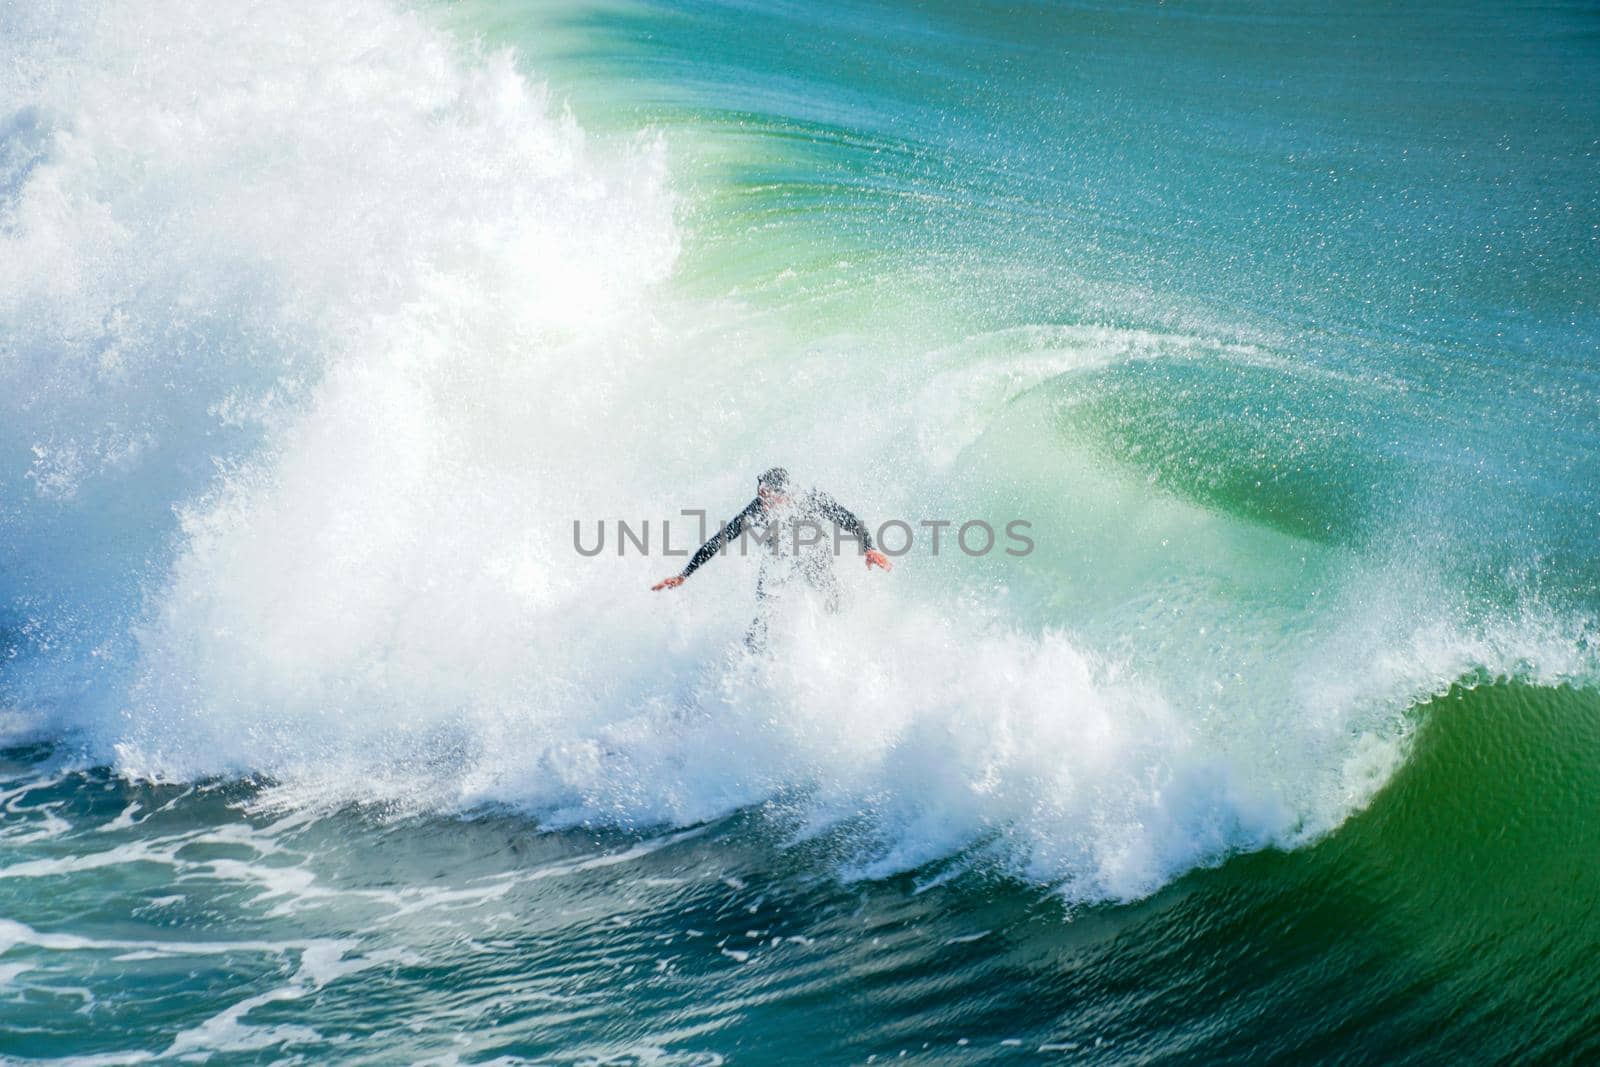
x,y
876,558
668,583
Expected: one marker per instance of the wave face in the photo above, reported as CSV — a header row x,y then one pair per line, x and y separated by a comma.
x,y
321,330
313,360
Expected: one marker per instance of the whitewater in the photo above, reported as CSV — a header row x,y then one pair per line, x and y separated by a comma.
x,y
321,329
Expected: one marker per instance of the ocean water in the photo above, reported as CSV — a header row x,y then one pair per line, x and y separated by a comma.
x,y
321,326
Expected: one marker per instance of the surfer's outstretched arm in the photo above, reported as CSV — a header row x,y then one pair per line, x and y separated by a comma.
x,y
846,520
729,531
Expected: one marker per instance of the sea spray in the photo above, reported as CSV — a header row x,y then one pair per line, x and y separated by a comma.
x,y
319,331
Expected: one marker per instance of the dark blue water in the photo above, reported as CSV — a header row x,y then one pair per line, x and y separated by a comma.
x,y
318,329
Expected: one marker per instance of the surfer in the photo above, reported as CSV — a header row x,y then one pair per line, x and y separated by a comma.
x,y
777,517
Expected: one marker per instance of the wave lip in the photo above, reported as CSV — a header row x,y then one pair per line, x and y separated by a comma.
x,y
318,333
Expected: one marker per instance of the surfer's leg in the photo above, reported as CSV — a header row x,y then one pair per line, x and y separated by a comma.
x,y
825,582
755,638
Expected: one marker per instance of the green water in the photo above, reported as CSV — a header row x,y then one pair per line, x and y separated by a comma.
x,y
318,328
1453,919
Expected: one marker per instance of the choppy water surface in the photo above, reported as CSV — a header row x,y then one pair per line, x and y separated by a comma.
x,y
318,329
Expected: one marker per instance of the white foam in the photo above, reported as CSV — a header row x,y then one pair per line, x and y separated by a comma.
x,y
377,322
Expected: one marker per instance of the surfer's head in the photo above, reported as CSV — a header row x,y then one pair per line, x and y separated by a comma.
x,y
773,486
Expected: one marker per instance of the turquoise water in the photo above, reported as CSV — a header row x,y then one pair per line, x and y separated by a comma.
x,y
318,330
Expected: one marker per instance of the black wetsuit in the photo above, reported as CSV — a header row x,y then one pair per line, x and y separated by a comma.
x,y
813,562
811,506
